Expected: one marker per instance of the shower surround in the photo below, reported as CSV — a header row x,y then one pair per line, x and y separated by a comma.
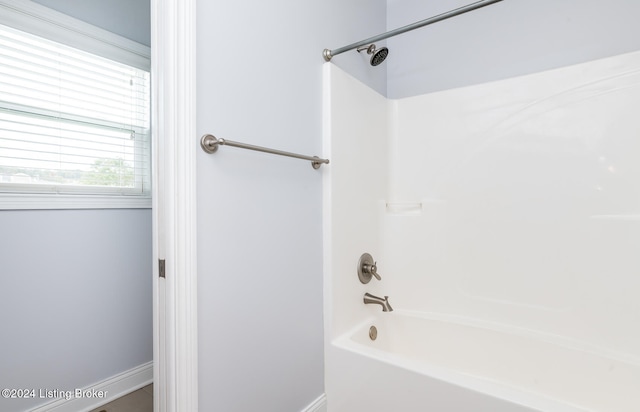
x,y
505,221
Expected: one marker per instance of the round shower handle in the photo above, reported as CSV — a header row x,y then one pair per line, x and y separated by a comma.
x,y
367,268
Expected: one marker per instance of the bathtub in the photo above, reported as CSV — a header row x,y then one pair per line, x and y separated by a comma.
x,y
428,362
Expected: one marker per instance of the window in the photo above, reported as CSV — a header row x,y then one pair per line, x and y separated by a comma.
x,y
74,126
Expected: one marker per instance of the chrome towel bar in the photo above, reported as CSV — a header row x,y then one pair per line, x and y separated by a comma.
x,y
210,143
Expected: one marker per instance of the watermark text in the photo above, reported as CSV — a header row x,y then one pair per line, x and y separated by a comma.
x,y
28,393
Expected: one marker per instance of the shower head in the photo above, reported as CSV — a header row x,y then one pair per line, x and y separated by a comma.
x,y
377,55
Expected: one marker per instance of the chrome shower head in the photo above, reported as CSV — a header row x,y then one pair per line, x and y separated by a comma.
x,y
377,55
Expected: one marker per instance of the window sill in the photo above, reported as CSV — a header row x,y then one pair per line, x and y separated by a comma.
x,y
23,201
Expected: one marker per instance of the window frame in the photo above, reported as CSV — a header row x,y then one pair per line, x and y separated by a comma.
x,y
41,21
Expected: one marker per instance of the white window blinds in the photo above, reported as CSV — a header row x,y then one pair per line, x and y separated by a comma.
x,y
71,122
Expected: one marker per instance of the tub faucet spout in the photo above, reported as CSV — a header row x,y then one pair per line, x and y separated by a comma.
x,y
369,298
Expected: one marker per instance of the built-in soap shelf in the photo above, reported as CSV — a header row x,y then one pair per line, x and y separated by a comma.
x,y
404,208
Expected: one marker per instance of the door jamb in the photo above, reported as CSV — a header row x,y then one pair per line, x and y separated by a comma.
x,y
174,143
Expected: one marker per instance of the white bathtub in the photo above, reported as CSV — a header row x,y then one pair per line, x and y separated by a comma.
x,y
513,201
425,362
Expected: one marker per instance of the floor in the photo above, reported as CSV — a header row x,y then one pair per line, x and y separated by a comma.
x,y
137,401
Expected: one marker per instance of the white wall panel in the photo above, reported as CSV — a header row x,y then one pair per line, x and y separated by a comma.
x,y
530,202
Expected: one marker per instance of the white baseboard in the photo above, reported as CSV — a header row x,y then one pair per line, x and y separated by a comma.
x,y
319,405
112,388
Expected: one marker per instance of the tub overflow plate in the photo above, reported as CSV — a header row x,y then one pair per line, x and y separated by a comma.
x,y
373,333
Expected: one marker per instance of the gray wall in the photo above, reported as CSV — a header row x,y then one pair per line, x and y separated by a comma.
x,y
75,298
260,216
75,285
128,18
507,39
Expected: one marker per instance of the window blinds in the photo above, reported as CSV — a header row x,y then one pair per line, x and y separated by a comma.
x,y
71,121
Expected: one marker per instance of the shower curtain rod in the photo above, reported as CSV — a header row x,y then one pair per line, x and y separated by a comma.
x,y
328,54
210,143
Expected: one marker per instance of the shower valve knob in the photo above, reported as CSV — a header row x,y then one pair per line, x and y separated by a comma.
x,y
373,269
367,268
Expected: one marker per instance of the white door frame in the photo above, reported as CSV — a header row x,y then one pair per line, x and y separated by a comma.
x,y
175,322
